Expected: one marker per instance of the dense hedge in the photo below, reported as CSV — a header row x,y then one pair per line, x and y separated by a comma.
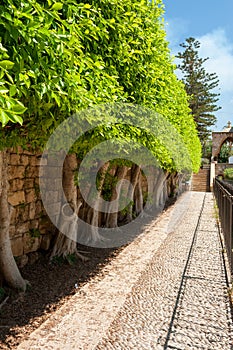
x,y
59,57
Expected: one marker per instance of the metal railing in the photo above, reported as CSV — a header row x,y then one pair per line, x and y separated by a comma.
x,y
224,198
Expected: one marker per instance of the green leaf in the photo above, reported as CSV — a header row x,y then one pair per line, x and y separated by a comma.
x,y
19,108
3,90
57,6
13,90
16,119
6,64
3,117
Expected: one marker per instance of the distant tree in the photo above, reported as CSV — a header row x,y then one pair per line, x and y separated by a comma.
x,y
200,86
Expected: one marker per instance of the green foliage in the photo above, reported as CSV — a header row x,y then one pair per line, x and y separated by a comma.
x,y
34,233
228,173
71,259
60,57
10,108
200,87
225,153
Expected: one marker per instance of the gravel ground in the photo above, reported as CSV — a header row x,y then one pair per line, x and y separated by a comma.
x,y
166,290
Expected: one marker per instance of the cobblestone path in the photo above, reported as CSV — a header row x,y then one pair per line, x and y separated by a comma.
x,y
166,291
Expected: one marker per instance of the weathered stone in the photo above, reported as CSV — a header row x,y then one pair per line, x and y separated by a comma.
x,y
16,198
32,210
16,185
22,228
38,209
34,161
32,171
13,215
33,224
43,161
22,213
45,225
16,172
29,183
17,246
30,196
14,159
30,244
24,159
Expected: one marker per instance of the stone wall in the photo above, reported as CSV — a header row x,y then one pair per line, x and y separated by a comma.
x,y
220,167
30,227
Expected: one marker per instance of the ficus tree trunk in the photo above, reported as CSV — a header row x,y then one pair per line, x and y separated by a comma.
x,y
8,266
66,241
139,196
159,188
111,220
135,172
93,234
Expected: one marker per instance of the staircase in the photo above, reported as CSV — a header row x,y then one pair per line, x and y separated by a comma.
x,y
201,180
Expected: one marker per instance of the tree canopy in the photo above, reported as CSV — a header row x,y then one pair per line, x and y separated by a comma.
x,y
59,57
200,86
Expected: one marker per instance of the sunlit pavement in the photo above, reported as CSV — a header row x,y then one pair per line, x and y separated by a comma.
x,y
166,290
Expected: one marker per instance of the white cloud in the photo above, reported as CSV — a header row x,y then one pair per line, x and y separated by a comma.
x,y
219,49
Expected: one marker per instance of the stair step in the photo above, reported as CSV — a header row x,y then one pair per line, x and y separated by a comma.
x,y
200,181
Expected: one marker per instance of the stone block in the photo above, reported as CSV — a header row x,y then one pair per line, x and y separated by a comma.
x,y
14,213
22,214
16,185
32,210
14,159
30,244
34,160
22,228
24,159
16,172
16,198
33,224
43,161
29,183
31,171
30,196
45,225
17,246
38,209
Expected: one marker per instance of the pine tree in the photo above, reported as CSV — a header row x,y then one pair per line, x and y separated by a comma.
x,y
200,86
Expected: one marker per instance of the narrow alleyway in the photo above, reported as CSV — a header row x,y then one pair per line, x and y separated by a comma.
x,y
166,290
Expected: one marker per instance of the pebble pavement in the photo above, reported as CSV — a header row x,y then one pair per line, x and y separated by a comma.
x,y
166,290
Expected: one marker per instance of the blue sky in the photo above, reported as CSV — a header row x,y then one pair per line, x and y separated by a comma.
x,y
210,22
